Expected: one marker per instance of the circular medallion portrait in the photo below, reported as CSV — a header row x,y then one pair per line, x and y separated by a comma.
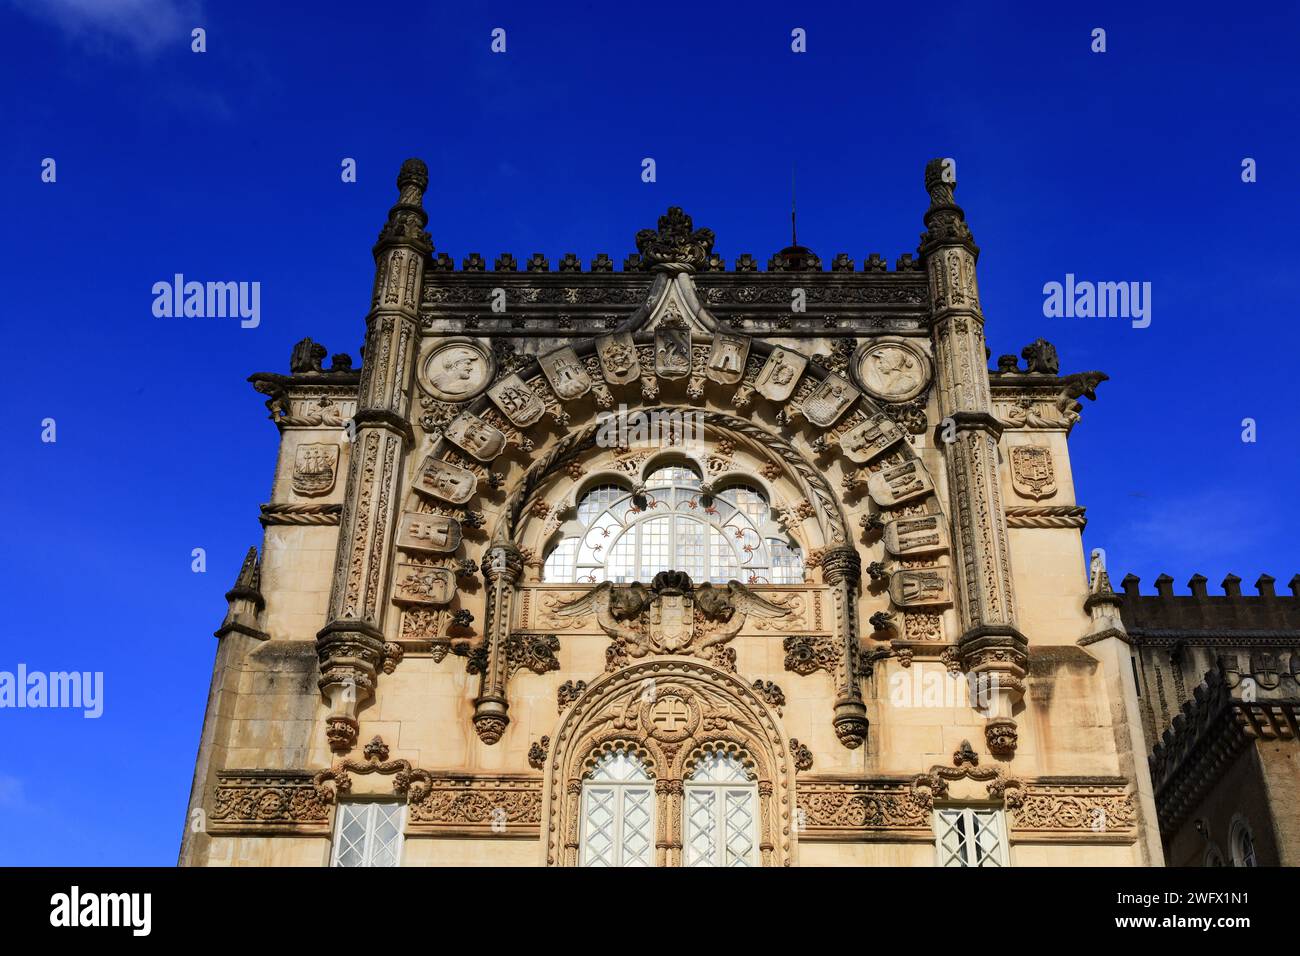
x,y
457,370
892,371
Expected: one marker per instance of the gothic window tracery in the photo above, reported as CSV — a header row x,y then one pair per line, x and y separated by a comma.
x,y
618,806
622,537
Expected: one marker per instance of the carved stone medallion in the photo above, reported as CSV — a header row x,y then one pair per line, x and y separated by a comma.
x,y
829,400
314,469
618,359
894,370
444,480
727,359
415,584
1032,474
923,587
871,439
915,535
517,401
893,486
779,376
672,352
476,436
457,369
421,532
671,716
566,373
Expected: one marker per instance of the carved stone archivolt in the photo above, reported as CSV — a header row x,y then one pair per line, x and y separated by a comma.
x,y
670,712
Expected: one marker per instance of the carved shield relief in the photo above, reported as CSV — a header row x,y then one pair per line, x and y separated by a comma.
x,y
476,436
921,534
517,401
433,533
416,584
566,373
777,379
618,359
1032,474
893,486
314,469
924,587
446,481
672,620
829,400
672,352
727,359
871,439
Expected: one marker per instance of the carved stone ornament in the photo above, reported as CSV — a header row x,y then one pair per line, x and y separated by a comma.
x,y
900,484
829,400
517,401
895,370
446,481
566,373
429,533
457,369
780,374
416,584
1032,473
476,436
314,469
921,587
672,352
871,439
618,358
727,359
676,245
916,535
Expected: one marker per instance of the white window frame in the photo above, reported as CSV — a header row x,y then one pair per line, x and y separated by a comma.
x,y
971,819
371,811
620,790
721,829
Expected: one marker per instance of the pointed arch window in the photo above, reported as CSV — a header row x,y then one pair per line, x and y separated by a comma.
x,y
721,810
618,812
620,537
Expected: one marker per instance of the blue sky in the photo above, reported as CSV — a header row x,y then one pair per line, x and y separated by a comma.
x,y
225,165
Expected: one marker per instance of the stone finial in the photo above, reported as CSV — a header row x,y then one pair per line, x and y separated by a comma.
x,y
945,222
676,246
1265,586
1165,586
1041,358
1197,584
1130,584
1232,585
250,572
1294,585
244,600
407,218
307,356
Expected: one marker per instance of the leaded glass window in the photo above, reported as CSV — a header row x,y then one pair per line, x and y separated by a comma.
x,y
721,810
620,538
618,807
967,836
368,833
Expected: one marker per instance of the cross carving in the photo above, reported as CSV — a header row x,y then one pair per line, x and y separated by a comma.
x,y
670,715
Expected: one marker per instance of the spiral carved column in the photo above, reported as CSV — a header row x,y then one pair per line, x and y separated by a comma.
x,y
842,569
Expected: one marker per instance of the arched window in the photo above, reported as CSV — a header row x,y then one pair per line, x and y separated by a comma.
x,y
721,802
1243,844
622,538
618,805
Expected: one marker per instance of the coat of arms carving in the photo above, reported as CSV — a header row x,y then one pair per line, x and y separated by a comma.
x,y
916,535
923,587
780,374
871,439
566,373
418,584
727,359
618,359
314,469
433,533
829,400
1032,474
446,481
672,352
517,401
476,436
894,486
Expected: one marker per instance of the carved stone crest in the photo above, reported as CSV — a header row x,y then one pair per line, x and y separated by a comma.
x,y
920,588
416,584
567,375
672,352
829,400
893,486
517,401
895,370
727,359
676,244
476,436
777,379
457,369
433,533
444,480
1032,474
871,439
314,468
918,534
618,359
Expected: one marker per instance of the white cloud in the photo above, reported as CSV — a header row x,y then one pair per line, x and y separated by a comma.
x,y
147,25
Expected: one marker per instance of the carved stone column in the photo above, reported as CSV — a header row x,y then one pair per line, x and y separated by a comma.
x,y
842,569
767,839
573,808
675,793
351,645
991,645
502,567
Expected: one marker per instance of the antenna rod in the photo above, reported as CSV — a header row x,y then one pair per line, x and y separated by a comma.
x,y
794,232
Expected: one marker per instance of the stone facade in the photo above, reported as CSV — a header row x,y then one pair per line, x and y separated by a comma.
x,y
404,635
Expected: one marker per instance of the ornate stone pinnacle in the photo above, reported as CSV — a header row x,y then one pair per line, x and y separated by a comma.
x,y
413,173
676,246
945,222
